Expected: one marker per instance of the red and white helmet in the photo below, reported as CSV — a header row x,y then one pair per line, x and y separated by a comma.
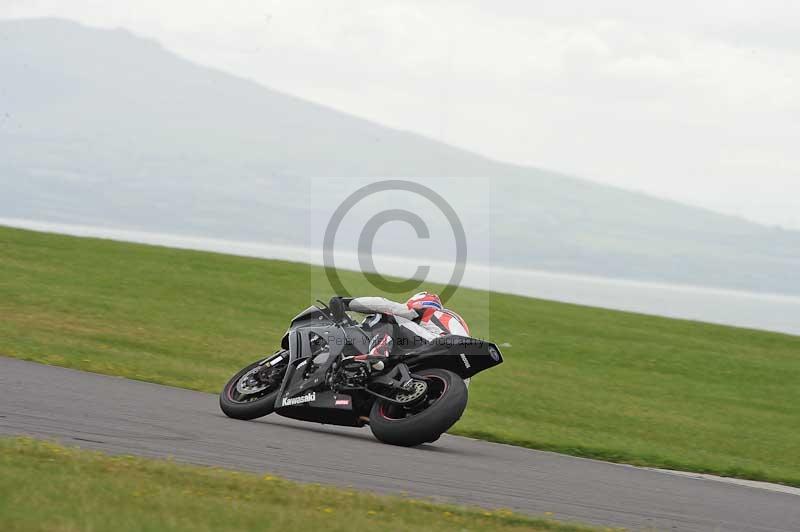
x,y
424,301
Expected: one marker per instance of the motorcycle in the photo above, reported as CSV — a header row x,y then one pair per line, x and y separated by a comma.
x,y
323,374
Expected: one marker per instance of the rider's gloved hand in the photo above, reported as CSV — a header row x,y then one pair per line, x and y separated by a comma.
x,y
338,306
344,300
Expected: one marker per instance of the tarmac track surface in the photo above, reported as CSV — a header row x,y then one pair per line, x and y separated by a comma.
x,y
130,417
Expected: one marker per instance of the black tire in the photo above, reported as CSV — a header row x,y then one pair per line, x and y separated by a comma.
x,y
427,425
253,409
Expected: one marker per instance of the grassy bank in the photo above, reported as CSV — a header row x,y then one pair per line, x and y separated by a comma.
x,y
47,487
578,380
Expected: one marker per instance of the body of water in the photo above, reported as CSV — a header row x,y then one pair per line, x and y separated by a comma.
x,y
744,309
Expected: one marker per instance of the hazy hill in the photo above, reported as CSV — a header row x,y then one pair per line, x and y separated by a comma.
x,y
103,127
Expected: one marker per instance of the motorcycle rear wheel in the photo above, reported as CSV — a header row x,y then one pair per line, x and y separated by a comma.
x,y
443,406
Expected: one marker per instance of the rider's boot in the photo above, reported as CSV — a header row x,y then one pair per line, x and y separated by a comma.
x,y
379,350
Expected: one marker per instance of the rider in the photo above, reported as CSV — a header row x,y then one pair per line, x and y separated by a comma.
x,y
423,314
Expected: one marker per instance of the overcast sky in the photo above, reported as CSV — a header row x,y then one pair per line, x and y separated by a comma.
x,y
695,101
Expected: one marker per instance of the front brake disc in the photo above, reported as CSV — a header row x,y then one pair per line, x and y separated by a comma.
x,y
248,385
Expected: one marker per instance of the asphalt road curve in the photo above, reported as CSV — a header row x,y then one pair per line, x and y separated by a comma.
x,y
123,416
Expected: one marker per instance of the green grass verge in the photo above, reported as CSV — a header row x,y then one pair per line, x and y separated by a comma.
x,y
583,381
48,487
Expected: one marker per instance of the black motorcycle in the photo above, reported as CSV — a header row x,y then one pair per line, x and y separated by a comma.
x,y
323,374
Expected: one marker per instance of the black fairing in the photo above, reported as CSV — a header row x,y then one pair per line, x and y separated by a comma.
x,y
463,356
304,378
310,317
315,344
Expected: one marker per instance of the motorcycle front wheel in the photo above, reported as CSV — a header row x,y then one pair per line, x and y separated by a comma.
x,y
426,420
252,392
